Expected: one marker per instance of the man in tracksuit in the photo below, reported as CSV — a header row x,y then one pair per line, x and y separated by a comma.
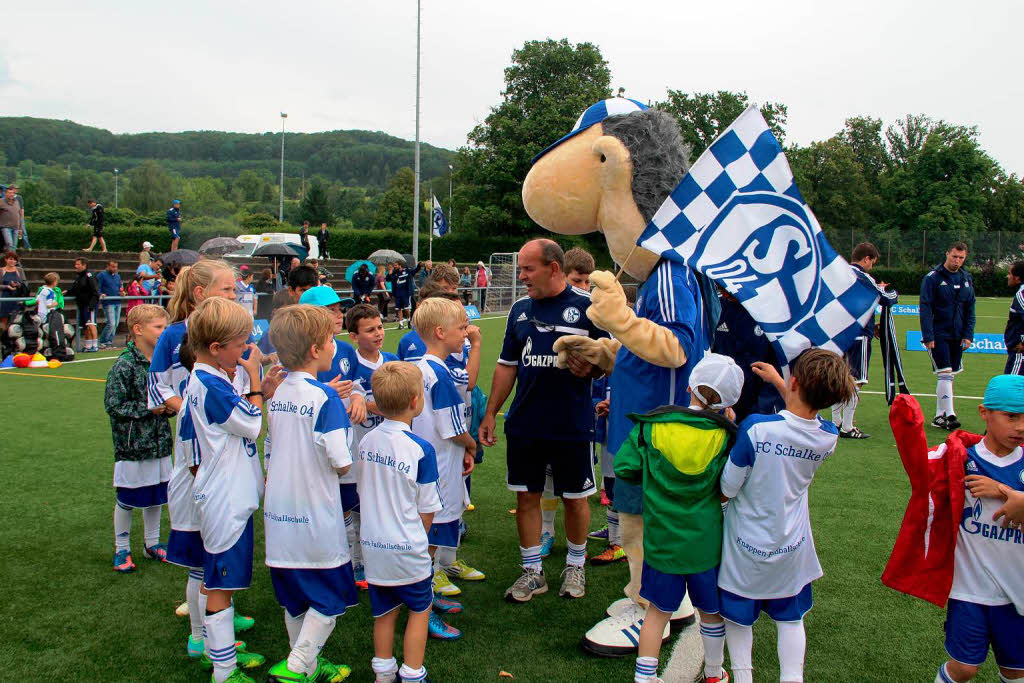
x,y
362,284
1014,333
947,327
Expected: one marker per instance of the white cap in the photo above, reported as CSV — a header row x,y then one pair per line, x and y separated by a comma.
x,y
721,374
147,245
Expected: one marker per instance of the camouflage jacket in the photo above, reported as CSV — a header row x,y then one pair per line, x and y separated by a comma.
x,y
138,433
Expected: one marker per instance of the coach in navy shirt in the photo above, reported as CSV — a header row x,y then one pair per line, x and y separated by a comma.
x,y
947,326
551,420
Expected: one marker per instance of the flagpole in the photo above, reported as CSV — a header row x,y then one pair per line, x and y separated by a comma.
x,y
416,198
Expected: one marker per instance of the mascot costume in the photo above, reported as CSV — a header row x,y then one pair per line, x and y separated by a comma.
x,y
611,173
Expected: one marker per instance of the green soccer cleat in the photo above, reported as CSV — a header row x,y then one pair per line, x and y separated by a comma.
x,y
326,672
237,676
196,648
245,660
280,673
243,623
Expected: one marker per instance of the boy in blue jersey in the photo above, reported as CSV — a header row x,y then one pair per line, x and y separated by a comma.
x,y
366,329
221,428
397,470
442,324
308,558
1013,335
986,600
768,555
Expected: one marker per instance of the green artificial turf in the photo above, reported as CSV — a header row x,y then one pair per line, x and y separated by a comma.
x,y
68,616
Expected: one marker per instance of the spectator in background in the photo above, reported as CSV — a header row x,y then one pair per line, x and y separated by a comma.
x,y
96,223
483,278
322,238
158,284
22,229
147,247
146,274
174,223
304,235
135,291
265,288
300,279
245,292
10,218
109,283
466,285
362,284
383,295
87,296
322,272
451,262
12,284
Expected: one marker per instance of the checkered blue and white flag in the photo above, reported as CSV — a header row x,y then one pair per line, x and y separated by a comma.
x,y
440,220
738,218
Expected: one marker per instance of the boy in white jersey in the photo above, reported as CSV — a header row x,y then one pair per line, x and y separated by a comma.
x,y
397,471
768,556
366,329
442,325
222,427
986,602
306,552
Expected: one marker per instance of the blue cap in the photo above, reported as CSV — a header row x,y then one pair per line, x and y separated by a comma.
x,y
1006,393
176,201
319,296
596,113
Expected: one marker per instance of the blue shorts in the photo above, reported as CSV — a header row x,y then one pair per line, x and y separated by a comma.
x,y
629,498
418,597
971,628
349,498
329,591
744,611
401,301
143,496
859,358
1014,364
86,316
185,549
175,232
947,356
666,591
231,569
444,535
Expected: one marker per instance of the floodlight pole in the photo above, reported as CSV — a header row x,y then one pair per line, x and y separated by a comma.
x,y
115,187
451,209
280,205
416,170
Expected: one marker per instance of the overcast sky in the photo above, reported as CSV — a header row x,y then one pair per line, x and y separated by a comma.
x,y
234,65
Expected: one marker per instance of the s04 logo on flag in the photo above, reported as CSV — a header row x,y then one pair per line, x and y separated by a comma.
x,y
738,218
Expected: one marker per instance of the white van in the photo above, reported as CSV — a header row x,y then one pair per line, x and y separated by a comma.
x,y
252,242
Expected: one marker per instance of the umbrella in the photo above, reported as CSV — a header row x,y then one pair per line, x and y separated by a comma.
x,y
386,256
218,246
351,270
280,249
184,257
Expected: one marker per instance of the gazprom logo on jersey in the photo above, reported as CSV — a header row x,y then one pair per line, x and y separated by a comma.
x,y
537,361
972,524
983,343
901,309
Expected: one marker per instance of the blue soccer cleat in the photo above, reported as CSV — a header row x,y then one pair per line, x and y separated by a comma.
x,y
436,628
547,541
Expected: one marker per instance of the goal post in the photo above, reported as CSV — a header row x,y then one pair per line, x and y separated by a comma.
x,y
503,287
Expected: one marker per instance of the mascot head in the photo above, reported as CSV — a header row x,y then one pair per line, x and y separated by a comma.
x,y
611,173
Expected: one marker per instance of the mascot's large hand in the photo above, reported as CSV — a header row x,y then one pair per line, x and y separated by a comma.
x,y
598,352
610,311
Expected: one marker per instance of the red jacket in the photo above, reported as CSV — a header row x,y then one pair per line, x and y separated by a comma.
x,y
921,563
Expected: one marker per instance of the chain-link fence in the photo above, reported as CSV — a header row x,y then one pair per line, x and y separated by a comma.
x,y
928,248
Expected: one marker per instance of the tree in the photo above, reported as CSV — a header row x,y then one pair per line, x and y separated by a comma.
x,y
149,188
394,210
702,116
864,136
315,207
547,86
906,137
832,182
37,193
206,196
253,185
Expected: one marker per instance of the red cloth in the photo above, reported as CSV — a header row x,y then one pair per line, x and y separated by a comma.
x,y
921,563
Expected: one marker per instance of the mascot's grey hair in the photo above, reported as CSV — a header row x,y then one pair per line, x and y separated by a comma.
x,y
660,157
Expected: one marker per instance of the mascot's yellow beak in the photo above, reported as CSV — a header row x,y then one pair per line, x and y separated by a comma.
x,y
562,192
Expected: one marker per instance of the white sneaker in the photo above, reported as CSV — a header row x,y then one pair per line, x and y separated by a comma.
x,y
681,618
618,636
617,608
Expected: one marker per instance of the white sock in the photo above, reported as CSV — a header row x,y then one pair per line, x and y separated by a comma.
x,y
837,414
646,670
792,647
151,523
848,411
614,535
943,675
196,611
220,643
531,557
740,640
316,629
943,394
444,557
713,637
385,669
548,521
410,674
294,625
122,527
576,554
